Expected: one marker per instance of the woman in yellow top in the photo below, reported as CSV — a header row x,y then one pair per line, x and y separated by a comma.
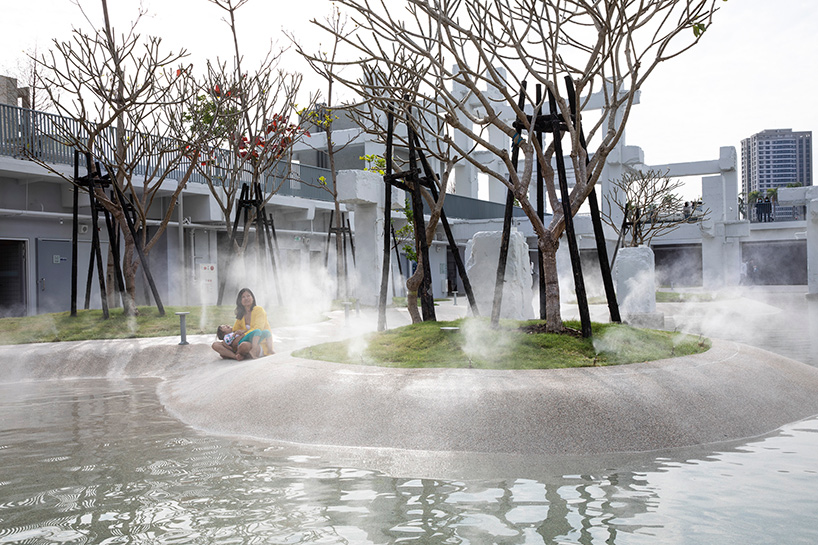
x,y
251,320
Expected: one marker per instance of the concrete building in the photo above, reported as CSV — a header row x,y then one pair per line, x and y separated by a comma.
x,y
776,158
36,221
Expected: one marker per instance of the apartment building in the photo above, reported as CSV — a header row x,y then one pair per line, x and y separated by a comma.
x,y
776,158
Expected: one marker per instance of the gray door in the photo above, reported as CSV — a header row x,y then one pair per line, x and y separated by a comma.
x,y
53,276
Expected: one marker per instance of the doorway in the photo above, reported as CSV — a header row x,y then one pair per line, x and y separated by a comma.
x,y
13,300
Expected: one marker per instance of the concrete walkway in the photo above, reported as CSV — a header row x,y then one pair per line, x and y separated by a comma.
x,y
729,393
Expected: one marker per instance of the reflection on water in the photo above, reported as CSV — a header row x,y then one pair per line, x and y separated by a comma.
x,y
101,462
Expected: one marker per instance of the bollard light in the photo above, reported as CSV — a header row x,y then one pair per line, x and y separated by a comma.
x,y
183,326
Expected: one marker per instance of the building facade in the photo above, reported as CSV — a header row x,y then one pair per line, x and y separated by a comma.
x,y
193,254
776,158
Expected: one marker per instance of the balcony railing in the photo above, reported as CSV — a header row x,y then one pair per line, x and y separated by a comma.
x,y
32,135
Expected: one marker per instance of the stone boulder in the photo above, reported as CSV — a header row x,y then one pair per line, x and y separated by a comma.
x,y
635,278
482,256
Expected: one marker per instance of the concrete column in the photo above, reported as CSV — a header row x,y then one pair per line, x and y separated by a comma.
x,y
812,246
497,190
465,179
729,175
713,233
363,191
184,273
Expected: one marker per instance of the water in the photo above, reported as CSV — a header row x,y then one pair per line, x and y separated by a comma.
x,y
97,461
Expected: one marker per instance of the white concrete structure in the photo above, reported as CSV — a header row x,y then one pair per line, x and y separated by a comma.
x,y
806,196
35,226
363,193
722,230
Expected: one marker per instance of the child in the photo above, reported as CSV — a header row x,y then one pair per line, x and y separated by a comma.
x,y
231,339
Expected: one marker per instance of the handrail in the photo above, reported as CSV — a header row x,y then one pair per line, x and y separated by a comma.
x,y
26,134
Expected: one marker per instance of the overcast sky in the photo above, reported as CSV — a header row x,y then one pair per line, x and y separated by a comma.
x,y
754,69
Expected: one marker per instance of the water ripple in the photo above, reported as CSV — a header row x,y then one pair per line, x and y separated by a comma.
x,y
87,475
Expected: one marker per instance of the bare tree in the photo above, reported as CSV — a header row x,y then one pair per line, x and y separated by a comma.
x,y
245,117
395,93
417,151
25,72
476,56
650,206
323,116
114,93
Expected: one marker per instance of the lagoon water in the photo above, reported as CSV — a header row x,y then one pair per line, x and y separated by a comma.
x,y
99,461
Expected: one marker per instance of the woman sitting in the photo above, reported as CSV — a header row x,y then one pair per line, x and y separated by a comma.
x,y
251,333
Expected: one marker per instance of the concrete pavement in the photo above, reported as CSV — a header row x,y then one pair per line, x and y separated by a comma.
x,y
401,416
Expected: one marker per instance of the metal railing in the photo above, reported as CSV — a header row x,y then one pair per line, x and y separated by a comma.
x,y
771,211
31,135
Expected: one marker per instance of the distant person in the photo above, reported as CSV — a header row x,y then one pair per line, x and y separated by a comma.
x,y
768,209
687,210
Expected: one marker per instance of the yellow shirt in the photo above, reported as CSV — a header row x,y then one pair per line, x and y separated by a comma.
x,y
258,320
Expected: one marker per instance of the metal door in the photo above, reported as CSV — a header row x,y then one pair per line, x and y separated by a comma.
x,y
53,275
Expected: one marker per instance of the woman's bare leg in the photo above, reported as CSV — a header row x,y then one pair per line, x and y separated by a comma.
x,y
224,350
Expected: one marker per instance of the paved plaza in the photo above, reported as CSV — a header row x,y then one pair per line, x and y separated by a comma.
x,y
730,393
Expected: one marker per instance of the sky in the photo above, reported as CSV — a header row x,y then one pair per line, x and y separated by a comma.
x,y
754,69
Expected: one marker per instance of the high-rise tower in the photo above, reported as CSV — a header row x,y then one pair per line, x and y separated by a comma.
x,y
776,158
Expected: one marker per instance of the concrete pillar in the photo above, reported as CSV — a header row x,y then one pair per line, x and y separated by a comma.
x,y
465,180
728,163
713,233
497,190
812,245
363,192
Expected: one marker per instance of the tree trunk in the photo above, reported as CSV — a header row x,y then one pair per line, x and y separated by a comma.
x,y
340,276
129,268
413,284
553,319
111,289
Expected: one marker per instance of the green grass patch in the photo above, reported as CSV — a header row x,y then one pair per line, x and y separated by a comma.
x,y
475,344
89,324
684,297
401,302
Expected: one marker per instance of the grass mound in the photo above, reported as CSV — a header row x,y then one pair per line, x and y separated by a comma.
x,y
514,345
